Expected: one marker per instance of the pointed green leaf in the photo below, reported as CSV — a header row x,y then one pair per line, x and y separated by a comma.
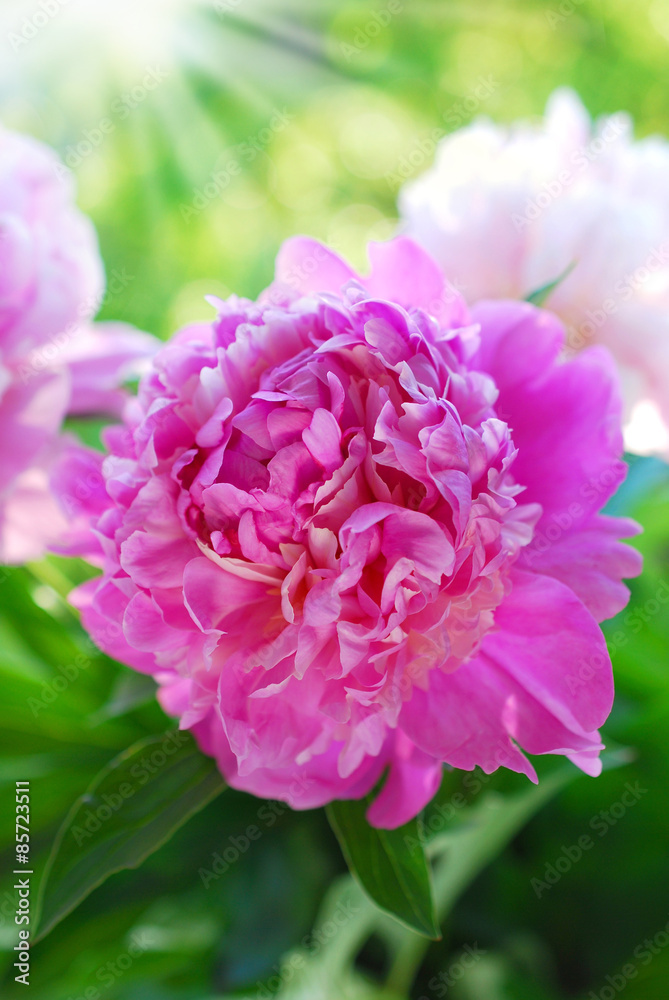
x,y
475,838
389,864
133,806
539,295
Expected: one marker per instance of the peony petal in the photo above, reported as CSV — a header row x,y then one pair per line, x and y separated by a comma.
x,y
412,782
100,358
589,559
544,636
405,273
306,266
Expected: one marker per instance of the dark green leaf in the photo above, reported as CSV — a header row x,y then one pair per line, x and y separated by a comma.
x,y
132,807
389,864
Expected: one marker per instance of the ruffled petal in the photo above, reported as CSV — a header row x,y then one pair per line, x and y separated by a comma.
x,y
590,559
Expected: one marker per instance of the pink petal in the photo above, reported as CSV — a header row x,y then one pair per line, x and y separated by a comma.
x,y
405,273
589,559
306,266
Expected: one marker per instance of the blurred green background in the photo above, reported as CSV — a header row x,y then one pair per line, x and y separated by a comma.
x,y
229,126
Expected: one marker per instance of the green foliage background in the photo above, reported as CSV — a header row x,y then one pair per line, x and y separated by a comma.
x,y
359,101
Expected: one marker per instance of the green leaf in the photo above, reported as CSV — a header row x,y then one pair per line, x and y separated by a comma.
x,y
462,851
391,865
133,806
539,295
88,429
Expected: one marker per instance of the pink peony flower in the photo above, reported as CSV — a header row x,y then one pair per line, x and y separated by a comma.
x,y
52,361
349,528
508,210
51,273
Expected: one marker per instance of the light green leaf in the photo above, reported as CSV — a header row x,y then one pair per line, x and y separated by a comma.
x,y
539,296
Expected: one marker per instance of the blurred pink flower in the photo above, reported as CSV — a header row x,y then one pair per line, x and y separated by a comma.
x,y
52,361
320,536
506,210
